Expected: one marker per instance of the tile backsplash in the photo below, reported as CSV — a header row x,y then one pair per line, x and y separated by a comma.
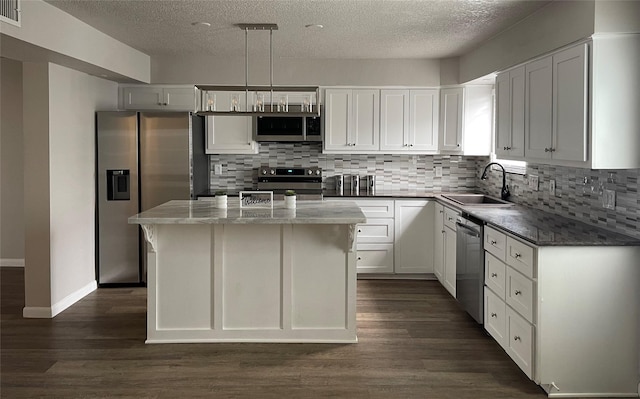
x,y
574,198
578,194
393,172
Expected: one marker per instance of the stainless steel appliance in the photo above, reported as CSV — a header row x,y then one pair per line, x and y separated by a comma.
x,y
355,184
143,160
287,128
470,266
306,182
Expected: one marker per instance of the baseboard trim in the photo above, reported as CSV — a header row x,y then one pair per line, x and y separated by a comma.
x,y
47,313
11,262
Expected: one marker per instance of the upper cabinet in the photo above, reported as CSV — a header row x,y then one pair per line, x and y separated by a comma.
x,y
409,120
466,120
451,109
166,98
375,121
510,106
580,106
352,123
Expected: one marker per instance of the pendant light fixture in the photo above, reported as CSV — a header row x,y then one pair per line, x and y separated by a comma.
x,y
291,101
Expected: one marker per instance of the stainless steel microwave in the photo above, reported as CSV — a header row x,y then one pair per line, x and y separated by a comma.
x,y
287,128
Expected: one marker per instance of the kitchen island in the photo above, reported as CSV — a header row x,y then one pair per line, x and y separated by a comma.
x,y
251,274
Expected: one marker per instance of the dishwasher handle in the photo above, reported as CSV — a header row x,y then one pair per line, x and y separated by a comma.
x,y
469,230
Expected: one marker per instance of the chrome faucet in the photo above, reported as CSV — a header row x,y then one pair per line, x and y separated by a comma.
x,y
504,192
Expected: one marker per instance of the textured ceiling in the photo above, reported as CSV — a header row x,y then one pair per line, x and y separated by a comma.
x,y
352,28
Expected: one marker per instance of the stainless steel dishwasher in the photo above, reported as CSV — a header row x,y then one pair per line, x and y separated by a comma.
x,y
470,266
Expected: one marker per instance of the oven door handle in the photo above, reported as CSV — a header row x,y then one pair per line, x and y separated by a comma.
x,y
471,230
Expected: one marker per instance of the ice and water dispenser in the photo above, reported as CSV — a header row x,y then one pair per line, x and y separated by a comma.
x,y
118,185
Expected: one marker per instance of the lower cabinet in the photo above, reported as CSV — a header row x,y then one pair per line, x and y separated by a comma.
x,y
445,247
397,237
568,316
414,236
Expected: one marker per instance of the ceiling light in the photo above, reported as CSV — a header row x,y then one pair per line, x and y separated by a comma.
x,y
200,24
314,26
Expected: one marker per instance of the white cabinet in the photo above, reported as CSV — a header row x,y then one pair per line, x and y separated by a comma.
x,y
438,246
550,309
352,122
538,108
574,99
450,250
570,135
556,106
465,125
409,120
510,106
414,221
445,247
230,135
451,110
166,98
375,237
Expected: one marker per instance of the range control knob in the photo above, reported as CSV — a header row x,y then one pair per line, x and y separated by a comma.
x,y
273,172
264,171
318,172
309,172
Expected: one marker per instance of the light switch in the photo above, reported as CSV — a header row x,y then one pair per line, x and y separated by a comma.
x,y
438,171
217,169
609,199
533,182
552,188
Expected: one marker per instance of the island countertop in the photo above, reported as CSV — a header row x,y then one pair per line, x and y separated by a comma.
x,y
205,212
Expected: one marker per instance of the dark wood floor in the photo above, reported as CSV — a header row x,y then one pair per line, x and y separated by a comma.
x,y
414,343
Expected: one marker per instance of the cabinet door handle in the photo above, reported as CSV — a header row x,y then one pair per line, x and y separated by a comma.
x,y
159,103
410,145
494,242
494,274
517,338
494,315
442,231
518,292
458,145
359,258
441,211
359,231
518,255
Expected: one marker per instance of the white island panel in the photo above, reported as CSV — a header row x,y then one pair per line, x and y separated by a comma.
x,y
252,277
183,275
320,278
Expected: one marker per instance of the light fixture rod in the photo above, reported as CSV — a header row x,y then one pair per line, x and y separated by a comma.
x,y
271,64
246,68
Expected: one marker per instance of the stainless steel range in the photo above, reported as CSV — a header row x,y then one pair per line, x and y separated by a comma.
x,y
306,182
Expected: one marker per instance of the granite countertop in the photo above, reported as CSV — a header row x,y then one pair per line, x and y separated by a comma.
x,y
205,212
543,228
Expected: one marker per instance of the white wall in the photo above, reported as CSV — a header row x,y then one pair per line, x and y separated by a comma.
x,y
47,27
11,160
320,72
551,27
59,131
74,97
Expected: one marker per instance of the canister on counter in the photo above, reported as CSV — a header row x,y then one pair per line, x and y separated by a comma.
x,y
339,184
371,184
355,184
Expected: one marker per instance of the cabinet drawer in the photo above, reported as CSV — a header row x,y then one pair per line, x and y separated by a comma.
x,y
376,208
495,275
520,294
519,341
376,230
495,316
450,218
374,258
520,256
495,242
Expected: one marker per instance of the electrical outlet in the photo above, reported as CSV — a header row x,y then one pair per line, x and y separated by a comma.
x,y
217,169
552,188
533,182
438,171
609,199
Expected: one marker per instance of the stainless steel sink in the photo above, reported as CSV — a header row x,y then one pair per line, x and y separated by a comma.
x,y
476,200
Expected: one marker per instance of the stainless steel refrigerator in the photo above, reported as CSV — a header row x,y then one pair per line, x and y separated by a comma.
x,y
143,160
